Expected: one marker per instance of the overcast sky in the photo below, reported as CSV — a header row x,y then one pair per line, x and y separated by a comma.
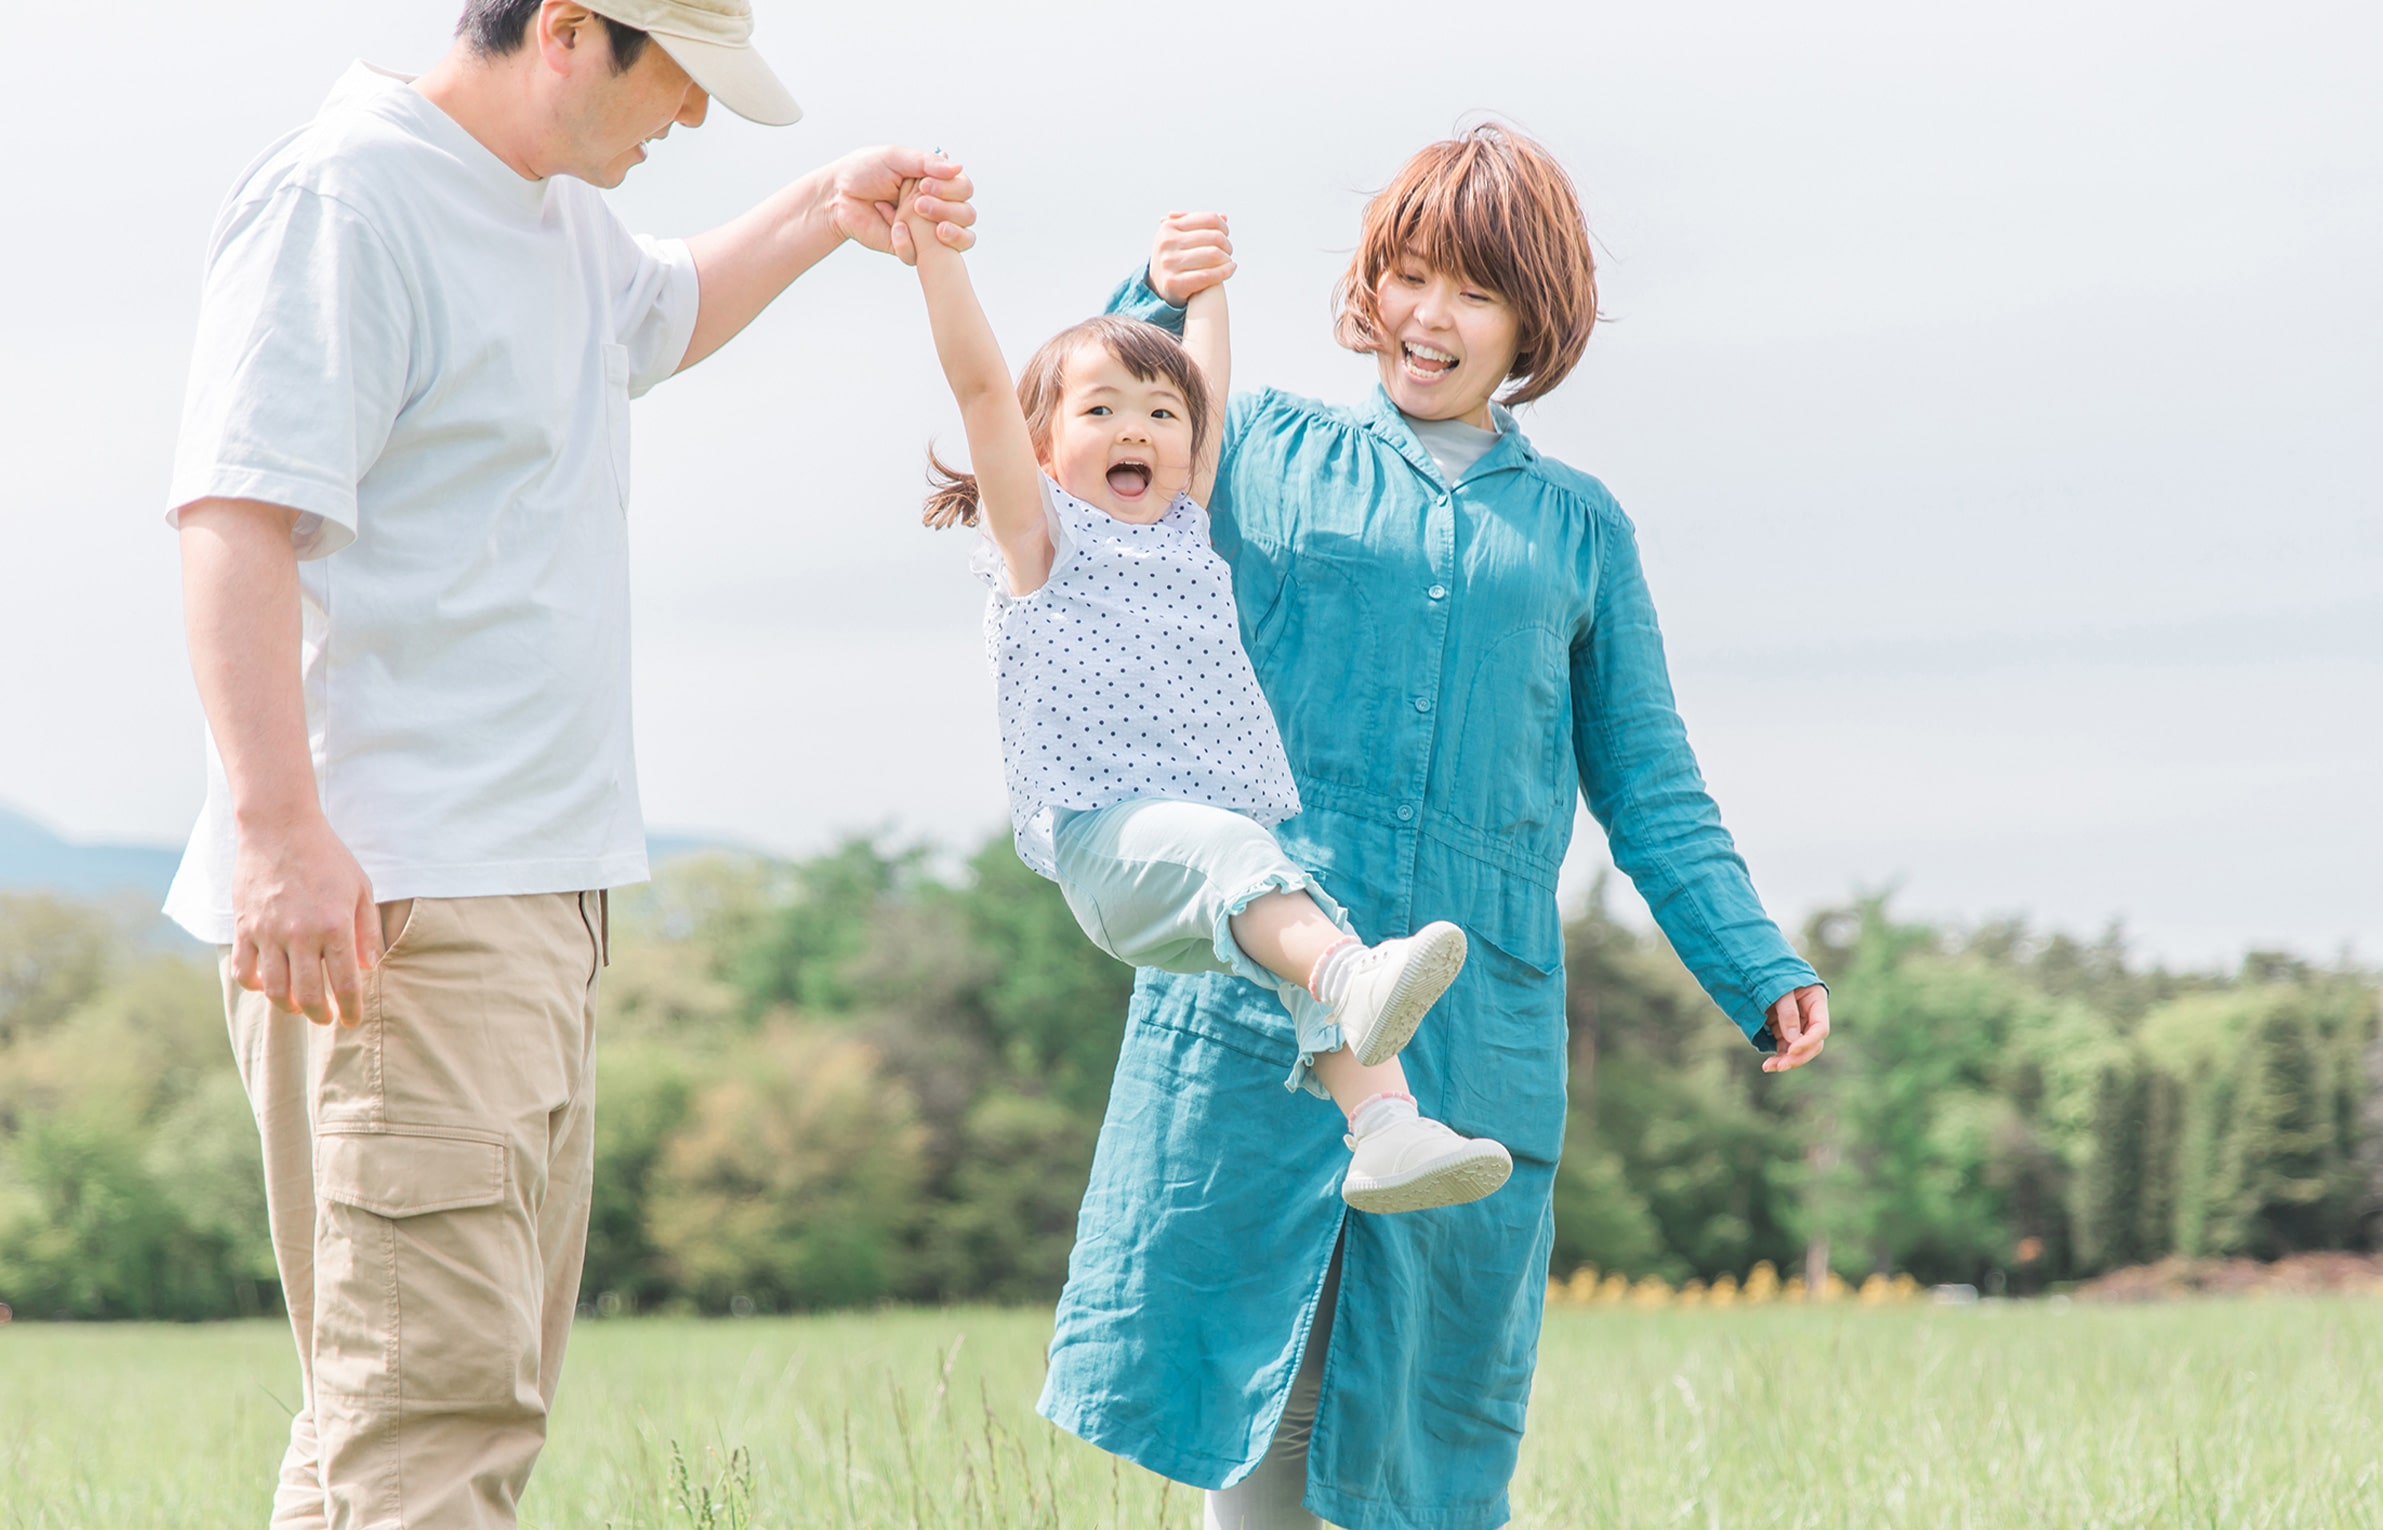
x,y
1995,390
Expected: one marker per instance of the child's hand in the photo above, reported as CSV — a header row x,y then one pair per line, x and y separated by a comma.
x,y
1193,252
860,182
908,227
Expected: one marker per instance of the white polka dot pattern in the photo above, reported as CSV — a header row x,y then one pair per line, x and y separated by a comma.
x,y
1124,676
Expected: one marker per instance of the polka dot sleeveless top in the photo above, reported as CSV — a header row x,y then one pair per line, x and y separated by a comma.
x,y
1124,677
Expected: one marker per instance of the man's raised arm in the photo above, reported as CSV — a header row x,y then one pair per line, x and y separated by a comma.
x,y
745,263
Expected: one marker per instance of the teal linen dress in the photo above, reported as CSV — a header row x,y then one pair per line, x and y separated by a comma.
x,y
1449,664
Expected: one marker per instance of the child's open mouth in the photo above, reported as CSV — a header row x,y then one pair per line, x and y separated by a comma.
x,y
1130,480
1427,363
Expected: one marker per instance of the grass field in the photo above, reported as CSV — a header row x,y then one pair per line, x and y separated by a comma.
x,y
2221,1414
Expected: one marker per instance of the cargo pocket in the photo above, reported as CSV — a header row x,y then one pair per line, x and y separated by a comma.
x,y
421,1266
409,1171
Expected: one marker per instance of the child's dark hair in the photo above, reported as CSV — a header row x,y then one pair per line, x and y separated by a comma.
x,y
1492,206
1150,353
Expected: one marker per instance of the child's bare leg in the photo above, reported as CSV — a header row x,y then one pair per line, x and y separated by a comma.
x,y
1400,1160
1285,933
1288,935
1375,994
1351,1083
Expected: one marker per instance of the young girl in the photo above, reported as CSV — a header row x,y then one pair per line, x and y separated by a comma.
x,y
1142,761
1457,642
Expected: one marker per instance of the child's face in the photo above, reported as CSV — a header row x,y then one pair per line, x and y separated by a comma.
x,y
1447,343
1118,441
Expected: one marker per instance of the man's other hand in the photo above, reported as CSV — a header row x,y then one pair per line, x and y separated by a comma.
x,y
305,928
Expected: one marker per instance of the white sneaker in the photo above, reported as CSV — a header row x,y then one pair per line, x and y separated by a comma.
x,y
1416,1163
1392,985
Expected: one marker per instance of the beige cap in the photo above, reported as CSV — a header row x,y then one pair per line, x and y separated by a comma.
x,y
713,41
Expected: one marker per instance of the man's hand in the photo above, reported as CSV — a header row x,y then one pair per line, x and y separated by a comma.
x,y
742,266
1800,1023
865,186
305,928
1193,252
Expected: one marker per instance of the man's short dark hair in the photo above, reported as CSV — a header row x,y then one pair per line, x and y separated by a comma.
x,y
495,28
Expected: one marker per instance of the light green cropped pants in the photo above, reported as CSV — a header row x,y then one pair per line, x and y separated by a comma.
x,y
1156,883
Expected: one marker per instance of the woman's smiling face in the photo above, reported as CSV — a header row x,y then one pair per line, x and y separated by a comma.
x,y
1447,343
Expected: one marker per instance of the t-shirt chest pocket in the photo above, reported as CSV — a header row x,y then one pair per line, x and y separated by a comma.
x,y
616,417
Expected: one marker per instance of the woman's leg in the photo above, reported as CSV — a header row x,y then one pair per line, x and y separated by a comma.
x,y
1271,1496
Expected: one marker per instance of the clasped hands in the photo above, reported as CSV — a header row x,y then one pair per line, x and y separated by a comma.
x,y
869,186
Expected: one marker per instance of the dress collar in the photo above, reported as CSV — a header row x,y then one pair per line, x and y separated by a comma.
x,y
1511,450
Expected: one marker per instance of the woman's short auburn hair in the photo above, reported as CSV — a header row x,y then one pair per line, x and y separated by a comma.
x,y
1493,207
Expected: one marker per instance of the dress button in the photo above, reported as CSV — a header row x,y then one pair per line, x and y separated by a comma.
x,y
1423,703
1437,592
1406,814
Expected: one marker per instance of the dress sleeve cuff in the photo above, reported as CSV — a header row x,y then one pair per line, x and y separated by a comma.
x,y
1134,299
1770,992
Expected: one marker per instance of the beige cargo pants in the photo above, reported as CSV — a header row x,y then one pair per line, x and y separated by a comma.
x,y
427,1173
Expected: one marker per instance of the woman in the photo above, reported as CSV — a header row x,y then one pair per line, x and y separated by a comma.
x,y
1455,636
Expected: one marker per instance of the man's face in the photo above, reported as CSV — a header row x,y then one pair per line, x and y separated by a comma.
x,y
606,119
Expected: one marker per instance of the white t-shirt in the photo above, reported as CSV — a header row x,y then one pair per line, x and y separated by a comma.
x,y
432,359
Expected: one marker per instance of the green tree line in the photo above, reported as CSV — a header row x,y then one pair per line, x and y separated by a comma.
x,y
875,1076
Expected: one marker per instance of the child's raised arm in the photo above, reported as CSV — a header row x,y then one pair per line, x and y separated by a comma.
x,y
1009,481
1208,338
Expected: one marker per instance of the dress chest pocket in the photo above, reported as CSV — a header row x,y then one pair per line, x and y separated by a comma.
x,y
1513,755
1319,654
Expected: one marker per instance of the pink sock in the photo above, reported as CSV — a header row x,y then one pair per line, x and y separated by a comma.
x,y
1328,979
1379,1110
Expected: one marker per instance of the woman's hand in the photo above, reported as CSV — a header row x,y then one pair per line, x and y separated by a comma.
x,y
1800,1023
1193,252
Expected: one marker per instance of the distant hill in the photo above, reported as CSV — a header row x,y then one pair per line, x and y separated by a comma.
x,y
35,859
32,859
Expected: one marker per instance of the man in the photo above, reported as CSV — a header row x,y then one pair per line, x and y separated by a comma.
x,y
400,491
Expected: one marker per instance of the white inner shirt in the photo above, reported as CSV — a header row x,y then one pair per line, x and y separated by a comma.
x,y
431,359
1454,445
